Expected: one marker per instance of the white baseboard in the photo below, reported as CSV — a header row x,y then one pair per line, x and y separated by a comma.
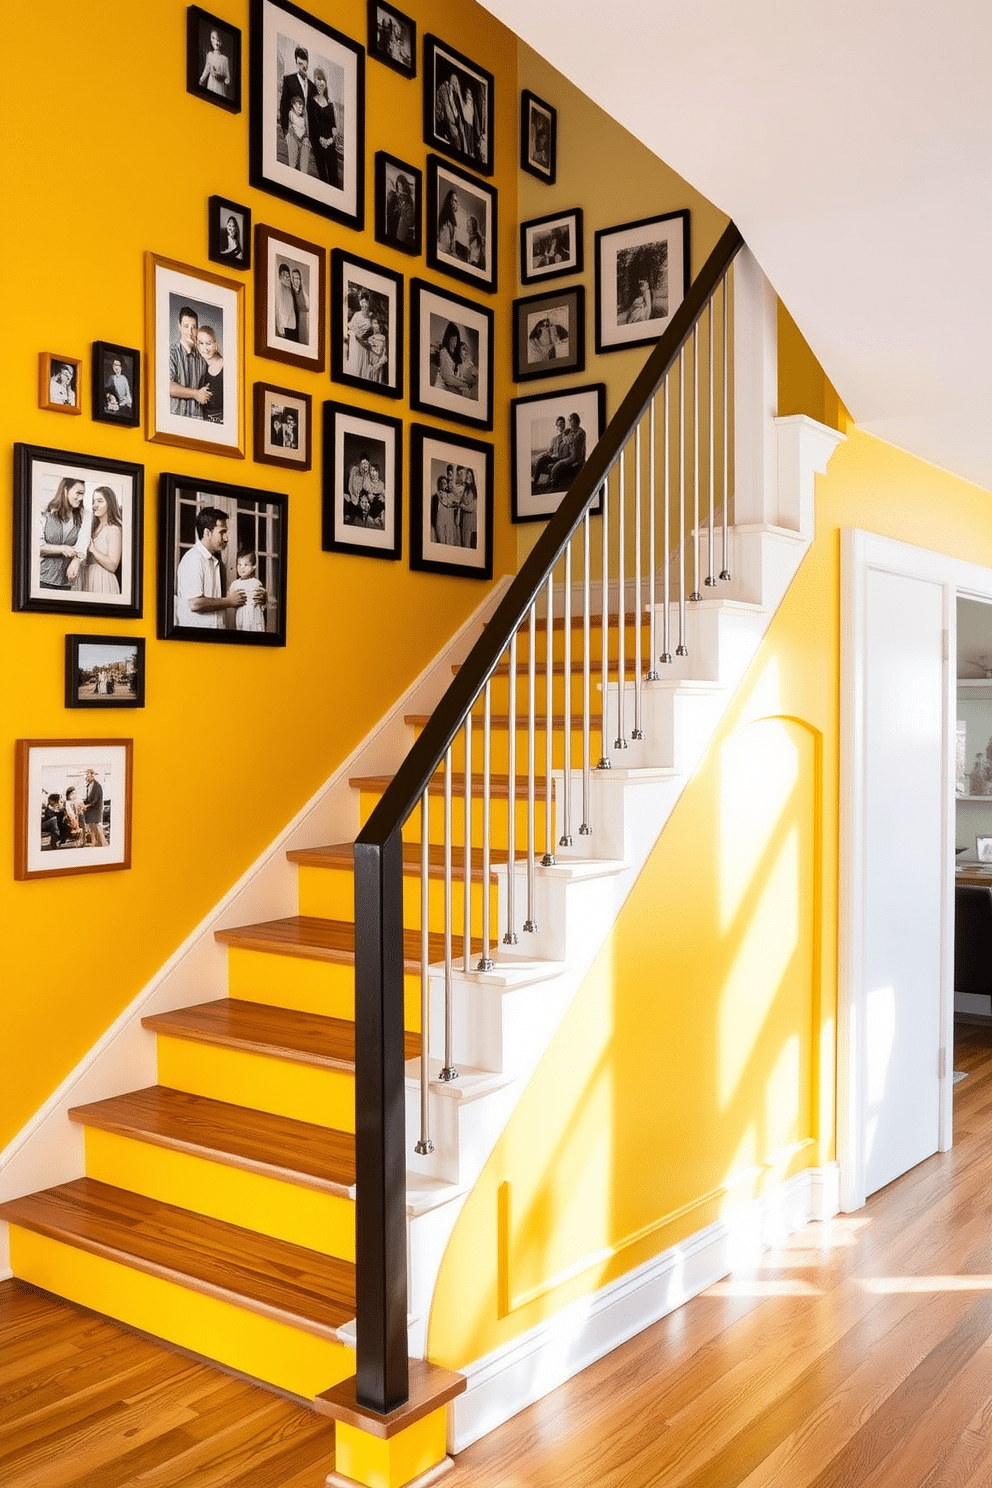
x,y
513,1377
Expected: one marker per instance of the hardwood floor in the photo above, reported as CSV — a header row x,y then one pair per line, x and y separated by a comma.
x,y
856,1355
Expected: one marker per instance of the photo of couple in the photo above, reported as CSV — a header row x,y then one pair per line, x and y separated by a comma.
x,y
196,361
75,808
292,308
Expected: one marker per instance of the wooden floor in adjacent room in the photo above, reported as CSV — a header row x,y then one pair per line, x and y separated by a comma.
x,y
857,1355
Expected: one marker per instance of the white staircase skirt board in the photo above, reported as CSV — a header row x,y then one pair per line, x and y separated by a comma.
x,y
538,1361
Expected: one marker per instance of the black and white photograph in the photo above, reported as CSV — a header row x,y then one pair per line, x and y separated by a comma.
x,y
116,384
363,483
307,112
289,299
213,59
77,533
392,38
60,383
229,233
72,806
551,246
549,334
642,276
398,203
461,225
221,563
104,671
538,137
451,355
283,430
458,106
366,325
195,342
552,436
451,504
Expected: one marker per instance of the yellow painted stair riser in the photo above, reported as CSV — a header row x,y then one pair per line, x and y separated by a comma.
x,y
305,985
378,1463
281,1086
254,1201
500,751
498,816
287,1357
329,893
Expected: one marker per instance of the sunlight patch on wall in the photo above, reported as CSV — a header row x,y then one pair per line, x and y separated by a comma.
x,y
759,770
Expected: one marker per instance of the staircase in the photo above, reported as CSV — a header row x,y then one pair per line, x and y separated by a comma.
x,y
218,1210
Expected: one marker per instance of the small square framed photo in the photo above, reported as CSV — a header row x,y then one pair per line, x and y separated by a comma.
x,y
642,275
538,137
116,384
213,59
77,533
458,106
229,233
552,436
461,225
451,504
307,116
399,194
451,355
366,325
60,383
289,299
363,483
392,38
551,246
283,434
221,563
104,671
549,334
72,806
195,340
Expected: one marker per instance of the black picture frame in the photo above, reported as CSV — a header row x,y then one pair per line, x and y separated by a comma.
x,y
445,126
256,521
399,213
46,481
642,276
396,48
456,383
104,671
283,427
363,451
327,179
212,74
290,267
354,361
549,334
551,247
543,472
224,247
432,451
456,200
538,137
115,384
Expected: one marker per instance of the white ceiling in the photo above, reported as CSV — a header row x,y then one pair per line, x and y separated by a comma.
x,y
851,141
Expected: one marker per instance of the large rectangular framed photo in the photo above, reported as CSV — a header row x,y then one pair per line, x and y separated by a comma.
x,y
461,224
307,112
552,435
195,340
221,563
642,277
77,533
451,504
366,325
451,355
289,298
458,106
363,482
72,806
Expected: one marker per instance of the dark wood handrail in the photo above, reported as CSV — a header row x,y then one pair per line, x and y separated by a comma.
x,y
381,1281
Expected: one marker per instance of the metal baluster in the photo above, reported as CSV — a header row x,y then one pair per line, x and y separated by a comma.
x,y
467,850
653,675
530,923
448,1072
621,742
425,1145
604,760
510,934
585,827
695,463
549,840
565,840
710,528
682,649
637,732
666,567
486,962
725,571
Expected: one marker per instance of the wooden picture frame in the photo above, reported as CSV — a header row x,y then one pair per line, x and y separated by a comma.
x,y
551,437
290,313
181,304
392,38
363,482
642,276
60,383
104,671
551,246
366,325
463,544
549,334
461,234
213,59
399,203
450,375
283,427
538,137
458,121
115,384
90,834
228,232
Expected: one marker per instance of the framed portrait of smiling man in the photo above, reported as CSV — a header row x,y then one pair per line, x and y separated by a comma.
x,y
195,338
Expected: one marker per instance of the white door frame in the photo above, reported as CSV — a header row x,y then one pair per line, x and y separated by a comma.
x,y
861,552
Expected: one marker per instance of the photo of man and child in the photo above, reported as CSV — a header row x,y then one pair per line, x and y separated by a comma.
x,y
75,807
309,130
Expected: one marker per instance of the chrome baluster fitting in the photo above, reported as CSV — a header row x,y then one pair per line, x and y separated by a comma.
x,y
585,826
467,850
530,923
448,1072
621,742
710,526
424,1145
725,571
653,675
666,622
510,934
696,434
604,760
565,840
486,962
549,827
637,732
682,649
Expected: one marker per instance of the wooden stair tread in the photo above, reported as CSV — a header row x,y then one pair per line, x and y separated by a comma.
x,y
275,1146
257,1028
499,785
300,1287
316,939
342,855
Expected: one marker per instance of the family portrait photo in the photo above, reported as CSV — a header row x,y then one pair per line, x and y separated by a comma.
x,y
222,563
398,203
229,233
77,533
549,334
642,275
308,105
59,383
392,38
213,59
538,137
362,486
195,340
73,806
366,325
552,437
289,299
282,427
461,231
551,246
458,106
452,355
104,671
451,517
115,379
